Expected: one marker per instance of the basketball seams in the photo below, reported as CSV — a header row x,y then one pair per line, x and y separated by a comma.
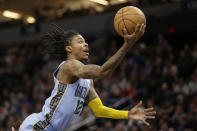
x,y
117,17
123,12
124,22
130,21
119,24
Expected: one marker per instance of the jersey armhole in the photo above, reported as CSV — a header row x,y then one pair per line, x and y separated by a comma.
x,y
56,71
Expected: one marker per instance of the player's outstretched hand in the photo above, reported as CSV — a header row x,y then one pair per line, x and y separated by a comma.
x,y
137,113
130,39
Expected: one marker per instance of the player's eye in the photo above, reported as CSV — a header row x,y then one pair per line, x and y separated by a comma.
x,y
80,41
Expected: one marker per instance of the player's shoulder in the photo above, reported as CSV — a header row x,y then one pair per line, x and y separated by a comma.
x,y
72,61
72,64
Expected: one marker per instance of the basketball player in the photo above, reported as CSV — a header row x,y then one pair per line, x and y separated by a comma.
x,y
74,85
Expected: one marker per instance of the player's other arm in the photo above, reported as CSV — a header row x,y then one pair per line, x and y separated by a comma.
x,y
94,71
12,128
100,110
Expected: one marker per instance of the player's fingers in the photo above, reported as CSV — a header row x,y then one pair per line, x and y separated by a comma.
x,y
144,28
150,117
124,30
141,27
146,123
137,29
149,109
139,104
151,113
141,31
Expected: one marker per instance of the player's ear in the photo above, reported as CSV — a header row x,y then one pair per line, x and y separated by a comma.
x,y
68,49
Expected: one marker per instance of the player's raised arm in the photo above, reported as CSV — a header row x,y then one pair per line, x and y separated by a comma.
x,y
78,69
100,110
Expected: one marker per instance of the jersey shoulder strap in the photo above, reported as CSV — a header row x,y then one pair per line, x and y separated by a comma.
x,y
55,72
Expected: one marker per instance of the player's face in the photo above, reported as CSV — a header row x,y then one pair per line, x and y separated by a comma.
x,y
80,48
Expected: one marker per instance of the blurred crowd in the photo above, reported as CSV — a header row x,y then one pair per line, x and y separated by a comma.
x,y
50,10
161,74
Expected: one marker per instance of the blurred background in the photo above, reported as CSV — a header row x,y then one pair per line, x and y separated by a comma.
x,y
161,69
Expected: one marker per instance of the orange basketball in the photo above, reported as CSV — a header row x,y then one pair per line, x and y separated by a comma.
x,y
128,17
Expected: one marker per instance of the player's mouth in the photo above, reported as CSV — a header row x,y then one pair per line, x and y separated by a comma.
x,y
86,52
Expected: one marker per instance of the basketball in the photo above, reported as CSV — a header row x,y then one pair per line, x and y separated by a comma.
x,y
128,17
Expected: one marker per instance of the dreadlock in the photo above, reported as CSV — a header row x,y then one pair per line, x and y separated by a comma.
x,y
56,40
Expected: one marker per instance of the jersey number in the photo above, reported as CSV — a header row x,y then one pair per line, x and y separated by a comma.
x,y
79,107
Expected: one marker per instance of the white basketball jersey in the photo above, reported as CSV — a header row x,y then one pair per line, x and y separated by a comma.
x,y
64,104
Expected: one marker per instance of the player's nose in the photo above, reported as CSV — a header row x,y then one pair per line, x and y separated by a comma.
x,y
86,44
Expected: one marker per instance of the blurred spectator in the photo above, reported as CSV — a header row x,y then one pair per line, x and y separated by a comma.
x,y
193,84
45,10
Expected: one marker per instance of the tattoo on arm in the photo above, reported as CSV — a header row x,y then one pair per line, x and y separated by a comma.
x,y
90,71
84,71
94,71
110,65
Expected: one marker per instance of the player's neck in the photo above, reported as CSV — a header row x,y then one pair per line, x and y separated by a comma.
x,y
69,57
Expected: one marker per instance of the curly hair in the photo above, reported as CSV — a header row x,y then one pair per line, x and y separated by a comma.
x,y
56,40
